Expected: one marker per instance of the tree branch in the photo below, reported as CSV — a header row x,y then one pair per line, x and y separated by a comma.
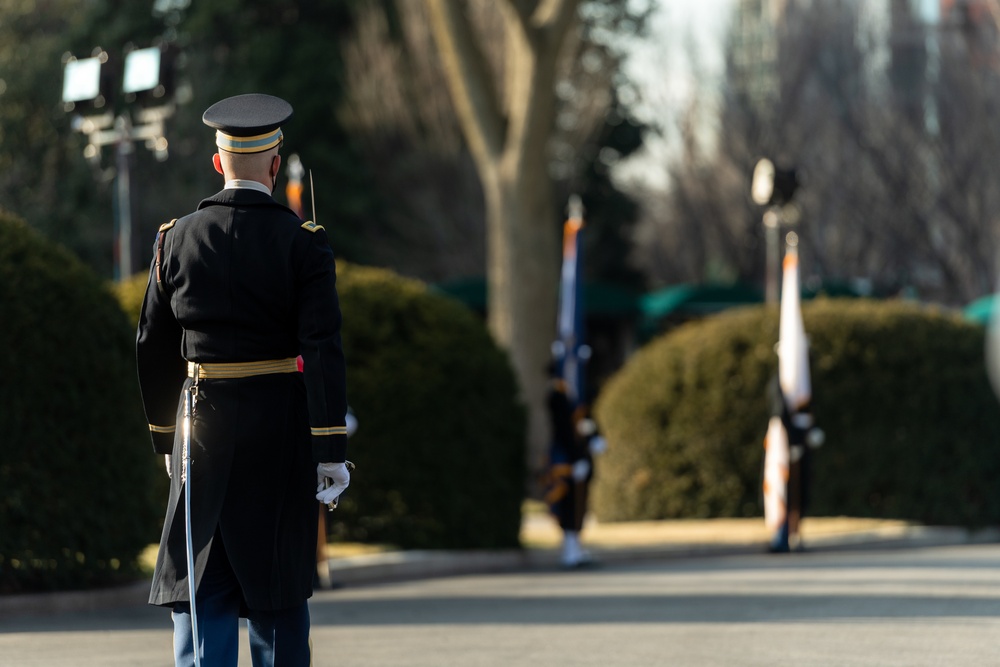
x,y
556,16
469,78
544,20
523,9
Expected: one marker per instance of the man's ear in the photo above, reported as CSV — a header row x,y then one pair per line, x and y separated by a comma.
x,y
217,161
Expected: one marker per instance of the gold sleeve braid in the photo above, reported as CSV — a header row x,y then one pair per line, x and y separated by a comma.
x,y
328,430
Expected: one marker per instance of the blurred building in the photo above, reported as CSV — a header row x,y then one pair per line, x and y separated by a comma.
x,y
904,49
755,49
905,39
908,37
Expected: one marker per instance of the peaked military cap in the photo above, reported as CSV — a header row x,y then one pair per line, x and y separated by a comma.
x,y
248,123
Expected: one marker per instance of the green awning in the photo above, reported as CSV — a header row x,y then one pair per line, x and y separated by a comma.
x,y
599,299
470,291
689,299
980,310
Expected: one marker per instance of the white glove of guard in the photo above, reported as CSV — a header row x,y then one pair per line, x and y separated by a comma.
x,y
580,470
802,420
166,461
332,479
586,427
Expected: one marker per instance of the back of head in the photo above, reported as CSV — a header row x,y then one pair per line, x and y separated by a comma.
x,y
250,166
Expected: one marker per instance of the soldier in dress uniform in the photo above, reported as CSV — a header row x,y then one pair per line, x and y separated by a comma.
x,y
237,290
803,436
575,441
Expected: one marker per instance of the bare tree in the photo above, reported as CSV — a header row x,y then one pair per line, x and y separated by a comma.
x,y
542,79
400,111
507,128
895,141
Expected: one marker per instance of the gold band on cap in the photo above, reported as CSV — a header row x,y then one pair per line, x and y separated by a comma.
x,y
256,144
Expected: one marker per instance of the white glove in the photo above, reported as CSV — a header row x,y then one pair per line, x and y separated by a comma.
x,y
802,420
815,438
166,460
333,478
598,445
580,470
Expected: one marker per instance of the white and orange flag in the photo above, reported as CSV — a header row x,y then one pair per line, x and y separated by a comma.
x,y
796,388
775,475
793,348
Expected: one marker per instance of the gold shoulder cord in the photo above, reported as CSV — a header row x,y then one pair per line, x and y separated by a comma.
x,y
159,251
311,226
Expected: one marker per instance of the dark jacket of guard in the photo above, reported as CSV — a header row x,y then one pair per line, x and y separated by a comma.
x,y
565,496
242,279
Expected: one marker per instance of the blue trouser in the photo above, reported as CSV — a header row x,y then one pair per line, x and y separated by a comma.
x,y
277,637
779,541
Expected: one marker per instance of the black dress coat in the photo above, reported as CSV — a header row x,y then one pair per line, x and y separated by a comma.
x,y
242,279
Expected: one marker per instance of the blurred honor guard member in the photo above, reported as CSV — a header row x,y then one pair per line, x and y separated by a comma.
x,y
237,290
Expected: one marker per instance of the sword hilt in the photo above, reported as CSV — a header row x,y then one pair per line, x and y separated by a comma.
x,y
332,505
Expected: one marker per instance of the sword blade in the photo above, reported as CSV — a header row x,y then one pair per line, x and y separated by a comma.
x,y
189,537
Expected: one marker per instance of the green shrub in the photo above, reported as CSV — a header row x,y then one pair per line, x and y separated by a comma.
x,y
130,294
76,508
441,435
901,391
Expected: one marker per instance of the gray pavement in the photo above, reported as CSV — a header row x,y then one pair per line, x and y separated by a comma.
x,y
920,597
912,607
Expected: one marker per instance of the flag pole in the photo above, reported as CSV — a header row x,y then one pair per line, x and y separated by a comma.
x,y
312,196
571,351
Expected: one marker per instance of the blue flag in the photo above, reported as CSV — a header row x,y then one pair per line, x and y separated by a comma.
x,y
570,351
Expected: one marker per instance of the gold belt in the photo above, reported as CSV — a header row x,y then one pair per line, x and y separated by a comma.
x,y
242,369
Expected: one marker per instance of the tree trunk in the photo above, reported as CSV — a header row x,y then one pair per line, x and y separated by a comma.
x,y
522,273
507,131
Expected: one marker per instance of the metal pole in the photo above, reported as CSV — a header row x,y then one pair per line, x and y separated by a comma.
x,y
771,234
123,264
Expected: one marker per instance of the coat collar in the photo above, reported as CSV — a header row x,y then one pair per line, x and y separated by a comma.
x,y
241,197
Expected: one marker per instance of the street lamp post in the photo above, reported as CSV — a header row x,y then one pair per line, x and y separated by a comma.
x,y
773,188
87,91
772,230
123,160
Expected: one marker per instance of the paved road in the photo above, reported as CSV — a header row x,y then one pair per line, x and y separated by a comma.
x,y
907,607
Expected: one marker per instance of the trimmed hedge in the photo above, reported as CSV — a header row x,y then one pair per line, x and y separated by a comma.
x,y
76,507
901,391
130,294
440,445
441,435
